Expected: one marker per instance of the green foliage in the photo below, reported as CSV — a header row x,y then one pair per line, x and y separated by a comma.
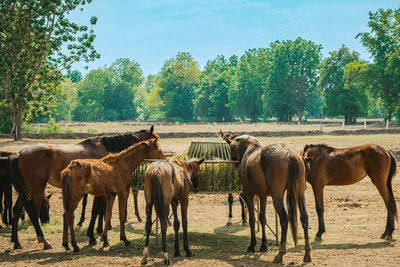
x,y
178,80
65,101
383,42
342,86
52,127
292,77
216,83
37,40
74,75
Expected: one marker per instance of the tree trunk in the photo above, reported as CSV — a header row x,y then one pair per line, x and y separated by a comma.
x,y
18,121
390,116
300,115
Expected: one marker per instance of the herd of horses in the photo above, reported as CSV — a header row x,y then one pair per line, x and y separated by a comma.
x,y
102,166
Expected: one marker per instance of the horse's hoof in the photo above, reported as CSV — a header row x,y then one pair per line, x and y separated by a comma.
x,y
229,224
307,258
47,246
177,253
139,219
76,249
106,244
17,246
250,249
245,224
127,243
143,262
110,227
79,224
167,262
389,238
93,242
189,253
383,235
278,259
263,249
318,238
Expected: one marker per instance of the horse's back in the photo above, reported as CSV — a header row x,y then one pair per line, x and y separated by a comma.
x,y
163,173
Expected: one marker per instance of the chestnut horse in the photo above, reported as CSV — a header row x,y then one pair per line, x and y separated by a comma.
x,y
39,164
169,183
344,166
270,171
108,177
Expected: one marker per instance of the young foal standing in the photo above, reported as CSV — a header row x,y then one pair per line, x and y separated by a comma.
x,y
168,183
109,176
270,171
344,166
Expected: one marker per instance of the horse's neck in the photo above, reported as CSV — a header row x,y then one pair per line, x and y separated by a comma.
x,y
131,158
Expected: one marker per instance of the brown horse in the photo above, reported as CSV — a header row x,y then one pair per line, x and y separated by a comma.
x,y
169,183
344,166
39,164
270,171
108,177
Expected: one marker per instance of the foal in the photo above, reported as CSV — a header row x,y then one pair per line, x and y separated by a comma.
x,y
108,177
168,183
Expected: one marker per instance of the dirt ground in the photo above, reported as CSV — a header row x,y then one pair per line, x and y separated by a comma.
x,y
355,217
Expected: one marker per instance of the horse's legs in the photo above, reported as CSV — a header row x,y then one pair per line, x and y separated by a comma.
x,y
304,223
319,205
90,230
380,184
174,205
164,226
2,189
84,202
249,198
283,218
135,194
109,205
242,204
122,201
65,231
100,205
73,204
184,207
263,221
8,205
230,203
149,209
17,210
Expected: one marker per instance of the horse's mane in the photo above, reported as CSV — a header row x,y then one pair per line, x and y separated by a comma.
x,y
117,143
320,146
112,156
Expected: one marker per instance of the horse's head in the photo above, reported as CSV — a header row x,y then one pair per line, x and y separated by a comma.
x,y
144,135
45,209
154,150
193,166
238,144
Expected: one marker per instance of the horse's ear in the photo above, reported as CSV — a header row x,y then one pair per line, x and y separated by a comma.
x,y
49,196
201,161
157,139
221,133
225,137
151,129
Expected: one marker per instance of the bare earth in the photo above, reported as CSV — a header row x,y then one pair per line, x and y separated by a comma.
x,y
355,217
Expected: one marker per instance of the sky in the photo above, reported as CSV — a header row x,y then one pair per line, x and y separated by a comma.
x,y
152,31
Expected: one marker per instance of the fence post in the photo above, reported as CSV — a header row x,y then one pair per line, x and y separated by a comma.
x,y
320,127
365,124
387,124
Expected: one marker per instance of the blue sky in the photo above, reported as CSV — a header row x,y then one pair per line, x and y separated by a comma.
x,y
151,32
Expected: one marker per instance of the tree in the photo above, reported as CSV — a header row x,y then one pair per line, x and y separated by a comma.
x,y
74,75
383,42
178,80
251,76
37,40
292,77
343,94
66,101
216,83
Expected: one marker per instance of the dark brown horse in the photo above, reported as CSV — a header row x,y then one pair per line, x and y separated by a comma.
x,y
169,183
39,164
270,171
108,177
344,166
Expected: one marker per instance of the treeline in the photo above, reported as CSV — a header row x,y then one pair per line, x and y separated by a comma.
x,y
286,80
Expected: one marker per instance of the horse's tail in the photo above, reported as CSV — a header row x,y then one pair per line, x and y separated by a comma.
x,y
19,184
66,190
291,197
157,193
392,172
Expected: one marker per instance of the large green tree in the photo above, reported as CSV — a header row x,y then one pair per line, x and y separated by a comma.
x,y
383,42
344,95
251,76
37,40
179,78
216,82
292,77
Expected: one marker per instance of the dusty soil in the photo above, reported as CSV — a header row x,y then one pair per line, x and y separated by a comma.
x,y
355,217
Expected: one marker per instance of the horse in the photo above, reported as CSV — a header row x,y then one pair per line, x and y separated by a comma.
x,y
39,164
344,166
169,183
270,171
108,177
244,209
